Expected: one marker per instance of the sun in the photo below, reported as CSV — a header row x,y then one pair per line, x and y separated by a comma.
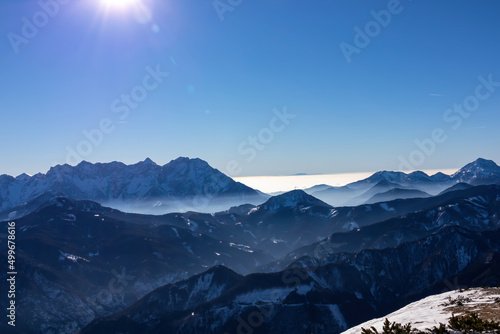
x,y
138,9
119,3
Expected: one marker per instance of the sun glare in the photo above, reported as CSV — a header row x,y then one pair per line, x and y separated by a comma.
x,y
141,12
119,3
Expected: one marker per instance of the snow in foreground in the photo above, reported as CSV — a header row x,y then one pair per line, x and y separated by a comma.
x,y
431,311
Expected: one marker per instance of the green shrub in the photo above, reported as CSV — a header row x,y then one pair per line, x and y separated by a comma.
x,y
438,330
391,328
472,323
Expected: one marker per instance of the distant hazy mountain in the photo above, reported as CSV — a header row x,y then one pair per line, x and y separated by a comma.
x,y
458,186
182,184
319,187
396,193
382,186
479,172
359,192
417,178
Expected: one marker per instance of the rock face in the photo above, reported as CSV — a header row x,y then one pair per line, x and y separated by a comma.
x,y
181,184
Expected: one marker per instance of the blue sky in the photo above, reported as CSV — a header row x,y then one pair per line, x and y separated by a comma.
x,y
228,80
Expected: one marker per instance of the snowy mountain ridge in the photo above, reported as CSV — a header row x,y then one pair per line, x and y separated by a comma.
x,y
181,181
472,173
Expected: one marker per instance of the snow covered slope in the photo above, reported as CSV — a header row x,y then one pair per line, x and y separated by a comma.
x,y
436,309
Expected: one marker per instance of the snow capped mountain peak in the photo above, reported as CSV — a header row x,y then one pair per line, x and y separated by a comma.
x,y
479,164
478,172
184,165
182,179
291,199
148,161
485,163
23,177
84,164
439,177
59,169
419,175
385,175
190,161
197,173
397,178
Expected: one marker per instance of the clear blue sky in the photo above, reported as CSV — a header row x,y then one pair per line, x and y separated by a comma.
x,y
227,76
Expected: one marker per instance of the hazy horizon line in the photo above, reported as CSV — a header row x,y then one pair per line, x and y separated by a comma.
x,y
278,183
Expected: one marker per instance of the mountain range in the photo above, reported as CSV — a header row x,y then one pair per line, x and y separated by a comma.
x,y
312,297
290,263
192,184
182,184
402,185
